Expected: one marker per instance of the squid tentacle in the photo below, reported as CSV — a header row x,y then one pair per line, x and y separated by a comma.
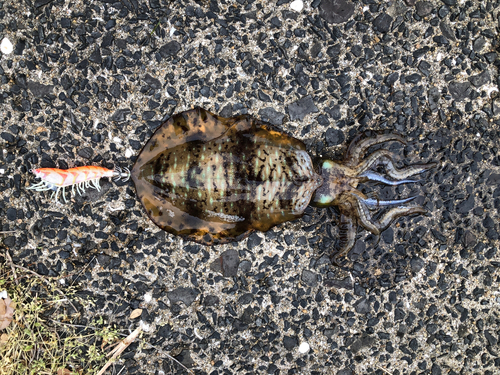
x,y
378,226
347,235
373,176
378,203
394,213
384,157
365,218
356,209
361,144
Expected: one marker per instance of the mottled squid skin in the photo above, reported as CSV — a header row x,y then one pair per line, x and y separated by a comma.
x,y
215,180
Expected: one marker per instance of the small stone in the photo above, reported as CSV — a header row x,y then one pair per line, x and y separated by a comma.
x,y
115,90
309,278
6,46
227,111
425,68
165,331
230,260
96,56
334,137
391,78
467,205
39,90
443,11
297,5
434,96
416,264
205,91
211,300
334,112
302,107
11,214
42,269
9,241
336,11
271,115
245,266
495,107
469,239
170,49
382,23
480,79
491,57
459,90
493,179
185,358
154,83
290,342
110,24
334,51
148,115
20,46
264,97
254,240
86,153
304,347
8,137
431,328
136,145
479,44
424,8
65,23
441,40
276,22
245,299
447,31
120,115
289,15
362,306
186,295
41,3
413,78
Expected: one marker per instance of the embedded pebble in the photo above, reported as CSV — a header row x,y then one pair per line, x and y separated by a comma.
x,y
271,115
336,11
300,108
6,46
304,347
297,5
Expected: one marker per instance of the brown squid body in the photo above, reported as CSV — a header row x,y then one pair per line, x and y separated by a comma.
x,y
215,180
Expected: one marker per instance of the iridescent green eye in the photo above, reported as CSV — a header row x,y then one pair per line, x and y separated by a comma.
x,y
325,199
327,164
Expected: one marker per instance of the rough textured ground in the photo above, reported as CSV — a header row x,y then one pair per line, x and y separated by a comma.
x,y
89,81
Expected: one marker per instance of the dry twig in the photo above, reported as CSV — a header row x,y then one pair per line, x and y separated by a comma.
x,y
7,255
120,348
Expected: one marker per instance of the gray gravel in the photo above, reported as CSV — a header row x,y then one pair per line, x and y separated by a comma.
x,y
89,82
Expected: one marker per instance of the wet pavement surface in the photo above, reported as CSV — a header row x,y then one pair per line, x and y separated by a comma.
x,y
87,83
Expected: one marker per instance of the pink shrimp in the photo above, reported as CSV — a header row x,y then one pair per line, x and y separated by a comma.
x,y
82,177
